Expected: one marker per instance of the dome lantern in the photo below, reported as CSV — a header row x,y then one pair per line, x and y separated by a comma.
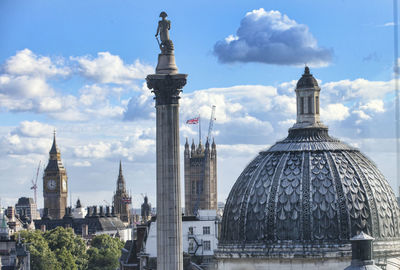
x,y
307,98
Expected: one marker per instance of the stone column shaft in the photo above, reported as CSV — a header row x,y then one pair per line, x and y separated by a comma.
x,y
169,212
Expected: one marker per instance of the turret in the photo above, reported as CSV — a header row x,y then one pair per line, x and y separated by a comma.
x,y
193,150
307,96
187,152
213,148
78,203
200,148
207,149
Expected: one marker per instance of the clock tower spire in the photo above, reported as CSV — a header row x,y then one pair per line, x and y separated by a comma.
x,y
55,179
122,200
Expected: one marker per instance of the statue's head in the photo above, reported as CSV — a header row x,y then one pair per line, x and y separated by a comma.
x,y
145,199
163,15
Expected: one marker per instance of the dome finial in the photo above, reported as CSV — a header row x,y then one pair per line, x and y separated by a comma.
x,y
306,70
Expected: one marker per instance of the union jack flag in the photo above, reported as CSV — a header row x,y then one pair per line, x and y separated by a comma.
x,y
193,121
127,200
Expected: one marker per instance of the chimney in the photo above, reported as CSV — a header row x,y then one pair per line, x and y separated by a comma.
x,y
85,230
94,214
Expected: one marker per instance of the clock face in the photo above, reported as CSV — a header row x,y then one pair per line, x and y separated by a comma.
x,y
64,185
51,184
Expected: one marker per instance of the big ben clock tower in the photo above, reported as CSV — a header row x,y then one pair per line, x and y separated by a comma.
x,y
55,186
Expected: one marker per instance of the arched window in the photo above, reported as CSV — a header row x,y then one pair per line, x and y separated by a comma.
x,y
317,104
310,105
302,105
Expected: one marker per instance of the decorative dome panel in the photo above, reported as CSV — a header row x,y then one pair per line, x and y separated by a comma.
x,y
325,193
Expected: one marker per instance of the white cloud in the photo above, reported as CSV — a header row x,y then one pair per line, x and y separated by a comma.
x,y
33,129
375,105
334,112
84,163
287,123
25,62
362,115
273,38
389,24
360,88
139,144
108,68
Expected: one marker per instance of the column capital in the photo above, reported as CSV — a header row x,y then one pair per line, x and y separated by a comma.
x,y
166,87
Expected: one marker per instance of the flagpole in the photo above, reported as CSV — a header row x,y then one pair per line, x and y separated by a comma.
x,y
199,129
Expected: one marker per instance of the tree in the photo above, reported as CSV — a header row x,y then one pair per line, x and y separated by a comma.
x,y
69,249
42,258
104,252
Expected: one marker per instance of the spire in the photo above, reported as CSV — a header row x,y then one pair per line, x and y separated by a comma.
x,y
78,203
54,148
213,145
121,180
207,144
200,148
186,144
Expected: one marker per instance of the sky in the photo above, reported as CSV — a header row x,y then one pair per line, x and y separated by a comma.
x,y
79,67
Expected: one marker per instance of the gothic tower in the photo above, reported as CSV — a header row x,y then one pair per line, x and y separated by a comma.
x,y
200,177
122,200
55,187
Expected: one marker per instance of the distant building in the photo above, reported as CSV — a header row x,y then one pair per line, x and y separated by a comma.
x,y
94,223
12,255
55,186
132,255
17,222
27,207
199,235
200,177
122,200
79,211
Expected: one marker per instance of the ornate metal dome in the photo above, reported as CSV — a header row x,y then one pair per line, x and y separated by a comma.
x,y
308,194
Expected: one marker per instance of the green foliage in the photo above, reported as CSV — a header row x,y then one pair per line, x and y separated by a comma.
x,y
104,252
70,249
61,249
42,258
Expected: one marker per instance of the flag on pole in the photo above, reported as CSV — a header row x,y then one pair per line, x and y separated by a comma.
x,y
193,121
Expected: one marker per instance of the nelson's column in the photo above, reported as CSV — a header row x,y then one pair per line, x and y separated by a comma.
x,y
166,84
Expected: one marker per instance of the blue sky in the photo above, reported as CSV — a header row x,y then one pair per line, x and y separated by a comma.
x,y
79,67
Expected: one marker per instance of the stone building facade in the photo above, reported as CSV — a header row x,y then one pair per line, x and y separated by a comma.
x,y
55,185
200,165
27,207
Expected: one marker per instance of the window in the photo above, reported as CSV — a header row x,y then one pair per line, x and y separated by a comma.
x,y
206,245
206,230
193,187
302,105
317,105
199,188
310,105
190,230
191,246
